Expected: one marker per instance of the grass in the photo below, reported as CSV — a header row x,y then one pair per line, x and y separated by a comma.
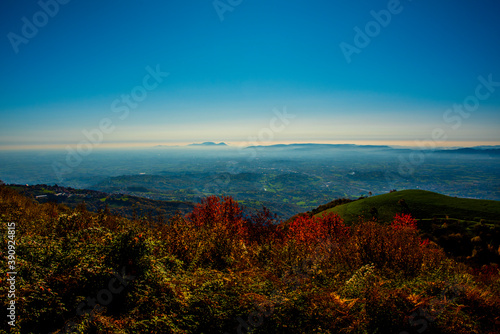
x,y
421,204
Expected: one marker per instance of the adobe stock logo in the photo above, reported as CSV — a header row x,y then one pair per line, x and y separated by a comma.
x,y
225,6
121,107
372,29
40,19
453,118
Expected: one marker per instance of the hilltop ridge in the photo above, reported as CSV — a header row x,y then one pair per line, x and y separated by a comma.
x,y
123,204
208,143
421,204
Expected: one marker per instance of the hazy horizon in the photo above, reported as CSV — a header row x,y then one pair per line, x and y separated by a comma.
x,y
415,144
383,72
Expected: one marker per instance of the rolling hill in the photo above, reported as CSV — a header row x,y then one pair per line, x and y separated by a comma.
x,y
421,204
123,204
468,230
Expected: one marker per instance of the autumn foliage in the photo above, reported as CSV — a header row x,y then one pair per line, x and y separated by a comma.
x,y
221,214
404,221
210,271
306,229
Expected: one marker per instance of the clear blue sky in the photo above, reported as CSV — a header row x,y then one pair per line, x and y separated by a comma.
x,y
227,76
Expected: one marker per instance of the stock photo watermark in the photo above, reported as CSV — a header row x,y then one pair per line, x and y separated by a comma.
x,y
223,6
295,277
121,107
277,124
30,27
103,298
11,273
453,117
423,317
220,182
363,37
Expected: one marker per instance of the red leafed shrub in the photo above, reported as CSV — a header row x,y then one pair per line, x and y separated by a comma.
x,y
220,213
264,227
334,225
304,228
307,229
403,221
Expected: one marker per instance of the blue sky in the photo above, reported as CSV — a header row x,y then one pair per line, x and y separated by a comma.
x,y
228,78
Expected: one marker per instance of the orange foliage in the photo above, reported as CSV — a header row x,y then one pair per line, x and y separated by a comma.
x,y
306,228
222,214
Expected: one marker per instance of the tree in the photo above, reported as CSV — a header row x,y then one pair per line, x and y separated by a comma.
x,y
404,221
219,213
305,228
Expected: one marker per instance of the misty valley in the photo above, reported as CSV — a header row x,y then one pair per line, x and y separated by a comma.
x,y
287,179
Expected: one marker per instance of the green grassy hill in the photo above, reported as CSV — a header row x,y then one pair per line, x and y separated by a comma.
x,y
421,204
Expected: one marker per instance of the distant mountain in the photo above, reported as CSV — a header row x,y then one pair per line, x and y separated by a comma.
x,y
487,147
472,150
489,150
320,146
208,143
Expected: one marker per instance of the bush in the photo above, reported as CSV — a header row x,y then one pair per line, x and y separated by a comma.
x,y
205,272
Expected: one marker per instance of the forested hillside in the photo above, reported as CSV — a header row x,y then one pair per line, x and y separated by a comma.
x,y
119,204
